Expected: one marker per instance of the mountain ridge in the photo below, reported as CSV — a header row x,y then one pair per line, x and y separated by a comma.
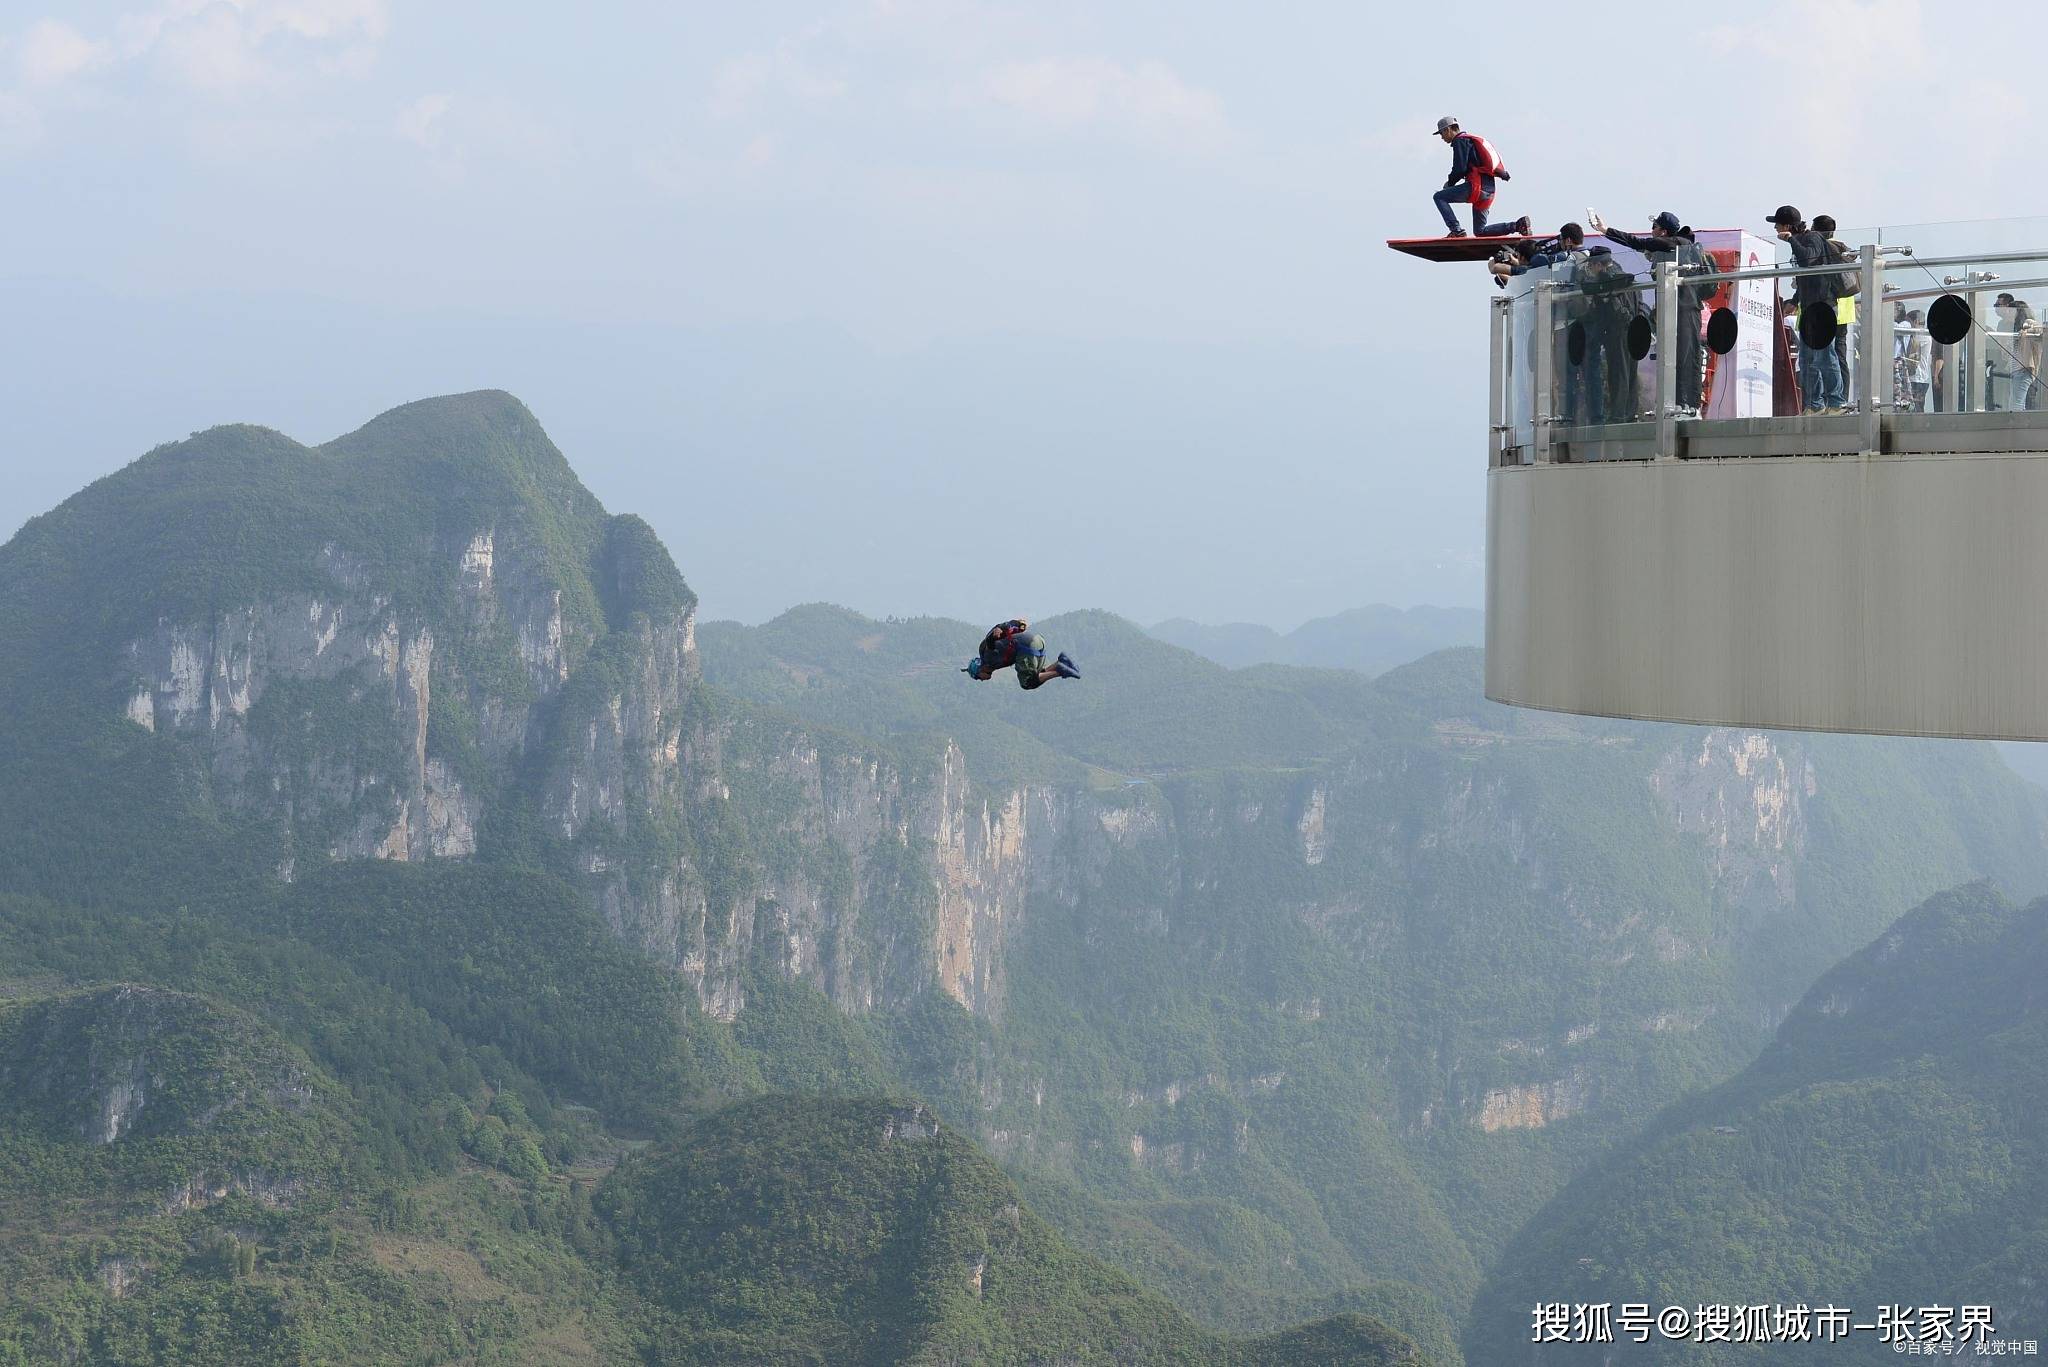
x,y
1370,639
1296,989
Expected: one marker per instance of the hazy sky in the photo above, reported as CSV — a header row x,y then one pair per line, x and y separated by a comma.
x,y
955,307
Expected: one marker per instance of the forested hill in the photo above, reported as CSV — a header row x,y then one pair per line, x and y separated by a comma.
x,y
402,767
901,1244
1372,966
1887,1149
376,873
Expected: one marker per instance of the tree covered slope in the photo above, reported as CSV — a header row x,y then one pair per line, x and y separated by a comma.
x,y
785,1230
1887,1149
1288,993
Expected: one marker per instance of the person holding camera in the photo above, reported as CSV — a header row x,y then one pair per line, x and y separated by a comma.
x,y
1568,248
1666,242
1561,256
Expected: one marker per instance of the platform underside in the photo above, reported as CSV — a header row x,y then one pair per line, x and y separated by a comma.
x,y
1899,593
1456,248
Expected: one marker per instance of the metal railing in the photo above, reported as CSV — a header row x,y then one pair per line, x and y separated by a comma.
x,y
1965,375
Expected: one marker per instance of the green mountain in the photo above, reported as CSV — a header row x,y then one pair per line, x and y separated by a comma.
x,y
1886,1150
380,779
787,1230
1291,993
180,1183
1370,640
1347,976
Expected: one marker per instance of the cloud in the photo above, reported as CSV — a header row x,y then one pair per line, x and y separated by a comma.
x,y
218,47
1146,100
51,52
21,126
1838,70
417,122
1406,139
257,23
801,68
214,50
460,133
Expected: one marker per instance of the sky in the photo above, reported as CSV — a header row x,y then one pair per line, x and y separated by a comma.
x,y
918,306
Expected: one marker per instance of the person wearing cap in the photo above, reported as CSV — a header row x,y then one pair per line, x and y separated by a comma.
x,y
1568,248
1475,166
1604,304
1820,370
1664,243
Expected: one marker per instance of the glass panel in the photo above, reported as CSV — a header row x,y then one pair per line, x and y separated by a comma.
x,y
1959,329
1604,315
1745,358
1521,389
1995,366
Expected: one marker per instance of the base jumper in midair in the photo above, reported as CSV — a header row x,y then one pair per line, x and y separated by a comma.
x,y
1014,643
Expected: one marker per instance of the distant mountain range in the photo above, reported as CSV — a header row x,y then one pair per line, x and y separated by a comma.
x,y
1371,639
422,939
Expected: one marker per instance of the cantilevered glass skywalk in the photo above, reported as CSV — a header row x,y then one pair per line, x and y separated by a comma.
x,y
1713,549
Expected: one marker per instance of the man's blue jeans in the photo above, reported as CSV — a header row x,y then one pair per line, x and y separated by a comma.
x,y
1820,378
1458,194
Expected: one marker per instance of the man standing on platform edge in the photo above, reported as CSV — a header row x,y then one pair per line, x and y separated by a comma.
x,y
1475,166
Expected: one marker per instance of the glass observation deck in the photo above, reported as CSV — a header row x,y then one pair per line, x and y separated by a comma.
x,y
1679,529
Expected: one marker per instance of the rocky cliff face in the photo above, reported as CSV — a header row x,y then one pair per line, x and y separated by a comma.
x,y
1746,794
867,875
317,709
366,725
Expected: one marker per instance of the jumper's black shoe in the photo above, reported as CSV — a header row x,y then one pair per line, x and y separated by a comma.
x,y
1065,667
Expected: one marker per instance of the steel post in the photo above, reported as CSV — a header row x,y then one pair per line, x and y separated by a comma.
x,y
1873,362
1666,406
1543,404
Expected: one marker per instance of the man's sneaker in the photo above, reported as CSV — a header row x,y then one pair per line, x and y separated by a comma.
x,y
1065,667
1522,225
1457,232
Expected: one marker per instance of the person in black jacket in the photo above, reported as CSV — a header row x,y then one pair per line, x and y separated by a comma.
x,y
1603,305
1820,370
1568,248
1664,243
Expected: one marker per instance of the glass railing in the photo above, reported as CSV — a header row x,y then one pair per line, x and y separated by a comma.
x,y
1968,334
1618,354
1606,313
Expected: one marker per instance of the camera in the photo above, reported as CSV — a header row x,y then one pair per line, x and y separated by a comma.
x,y
1506,256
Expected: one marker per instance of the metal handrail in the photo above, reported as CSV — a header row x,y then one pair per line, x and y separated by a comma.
x,y
1758,273
1935,292
1985,258
1787,272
